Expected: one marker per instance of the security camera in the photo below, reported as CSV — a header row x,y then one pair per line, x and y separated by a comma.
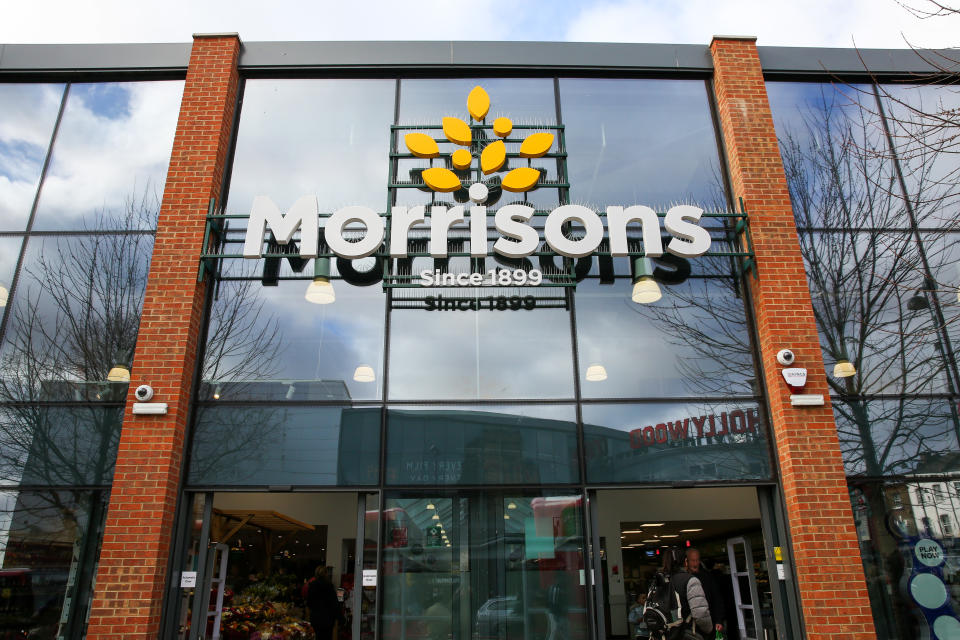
x,y
144,393
785,357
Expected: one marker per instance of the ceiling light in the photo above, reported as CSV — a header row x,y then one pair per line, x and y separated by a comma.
x,y
364,373
689,530
843,369
631,531
506,516
652,524
435,517
651,540
119,373
431,506
320,291
512,505
596,373
216,392
669,535
645,288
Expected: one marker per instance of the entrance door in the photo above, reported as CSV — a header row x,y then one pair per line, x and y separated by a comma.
x,y
249,567
484,566
639,526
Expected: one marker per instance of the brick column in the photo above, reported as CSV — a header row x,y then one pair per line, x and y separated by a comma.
x,y
826,554
139,529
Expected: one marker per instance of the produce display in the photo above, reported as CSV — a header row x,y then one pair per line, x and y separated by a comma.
x,y
259,612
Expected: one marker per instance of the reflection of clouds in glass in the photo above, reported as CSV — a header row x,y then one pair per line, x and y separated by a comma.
x,y
693,341
27,116
526,101
113,146
312,342
646,142
329,138
9,252
480,354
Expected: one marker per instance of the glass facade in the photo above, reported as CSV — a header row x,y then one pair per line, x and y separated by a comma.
x,y
82,169
871,178
428,356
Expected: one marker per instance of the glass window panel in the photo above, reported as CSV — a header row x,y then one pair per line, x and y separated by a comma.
x,y
903,542
649,142
484,566
943,252
694,341
660,442
871,308
483,444
110,157
28,113
835,155
278,445
270,343
49,543
527,101
923,121
898,436
75,316
324,138
9,254
508,351
58,445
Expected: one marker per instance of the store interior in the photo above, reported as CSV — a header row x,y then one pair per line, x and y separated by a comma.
x,y
637,526
274,542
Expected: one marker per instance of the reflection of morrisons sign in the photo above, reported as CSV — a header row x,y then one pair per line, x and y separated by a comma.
x,y
518,239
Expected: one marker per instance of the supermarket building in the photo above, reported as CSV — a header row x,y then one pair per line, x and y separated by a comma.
x,y
487,329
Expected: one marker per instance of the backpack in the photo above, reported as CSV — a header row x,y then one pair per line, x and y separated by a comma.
x,y
662,608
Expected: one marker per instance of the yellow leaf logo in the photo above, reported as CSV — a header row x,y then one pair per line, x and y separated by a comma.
x,y
536,145
478,103
461,159
493,157
442,180
421,145
520,179
457,131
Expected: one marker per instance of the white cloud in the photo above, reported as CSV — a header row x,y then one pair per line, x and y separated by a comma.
x,y
863,23
869,23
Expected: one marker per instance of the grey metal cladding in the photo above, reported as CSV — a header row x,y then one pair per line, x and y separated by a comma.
x,y
440,55
805,60
492,55
93,57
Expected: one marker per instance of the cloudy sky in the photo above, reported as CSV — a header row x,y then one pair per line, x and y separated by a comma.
x,y
836,23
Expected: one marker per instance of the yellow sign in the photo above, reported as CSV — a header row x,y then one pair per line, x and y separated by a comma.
x,y
493,158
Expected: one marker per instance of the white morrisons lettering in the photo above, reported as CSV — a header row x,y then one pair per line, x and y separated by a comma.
x,y
517,238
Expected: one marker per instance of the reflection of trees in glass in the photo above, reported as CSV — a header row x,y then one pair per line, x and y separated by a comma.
x,y
867,279
75,315
706,320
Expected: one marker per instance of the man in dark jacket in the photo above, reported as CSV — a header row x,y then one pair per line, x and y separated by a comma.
x,y
714,599
323,604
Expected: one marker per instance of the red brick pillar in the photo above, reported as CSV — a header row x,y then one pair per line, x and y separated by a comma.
x,y
825,550
139,529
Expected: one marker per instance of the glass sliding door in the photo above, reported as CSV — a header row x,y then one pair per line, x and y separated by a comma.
x,y
483,565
